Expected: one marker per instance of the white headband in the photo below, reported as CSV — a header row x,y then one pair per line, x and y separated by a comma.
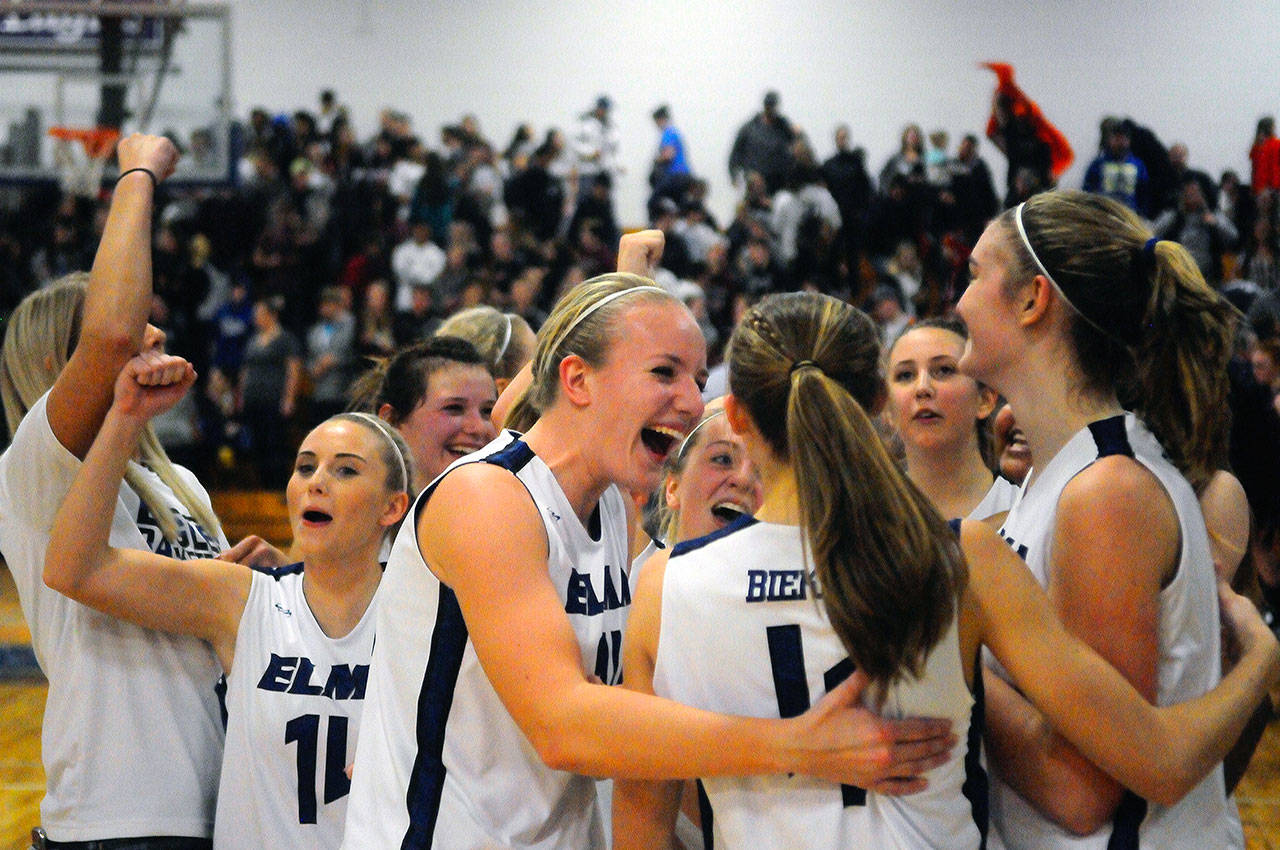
x,y
506,340
685,444
613,296
1022,233
384,429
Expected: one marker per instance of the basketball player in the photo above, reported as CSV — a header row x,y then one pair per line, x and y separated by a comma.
x,y
294,642
848,566
489,706
132,734
941,416
1075,313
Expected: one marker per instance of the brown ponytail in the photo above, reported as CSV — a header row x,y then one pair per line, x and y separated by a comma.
x,y
889,568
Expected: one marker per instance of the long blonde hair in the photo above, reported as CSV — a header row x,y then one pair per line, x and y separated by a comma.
x,y
41,334
496,335
889,568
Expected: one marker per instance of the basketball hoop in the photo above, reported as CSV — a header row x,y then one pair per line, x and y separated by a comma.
x,y
80,168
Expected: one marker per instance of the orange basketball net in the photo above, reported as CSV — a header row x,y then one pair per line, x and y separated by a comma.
x,y
98,142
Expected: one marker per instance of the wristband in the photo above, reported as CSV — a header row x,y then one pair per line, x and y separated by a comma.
x,y
147,171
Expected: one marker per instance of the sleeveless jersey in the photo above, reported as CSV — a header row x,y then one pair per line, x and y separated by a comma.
x,y
999,498
294,698
1188,640
132,736
441,763
743,634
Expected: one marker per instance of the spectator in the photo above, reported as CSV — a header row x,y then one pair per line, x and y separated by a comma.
x,y
1265,156
1116,172
270,378
331,354
417,261
670,174
1205,234
763,145
595,144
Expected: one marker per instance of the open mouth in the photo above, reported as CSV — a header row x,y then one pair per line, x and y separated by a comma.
x,y
727,512
926,415
1018,443
659,440
461,451
315,517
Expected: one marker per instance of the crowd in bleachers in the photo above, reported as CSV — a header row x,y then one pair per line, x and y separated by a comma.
x,y
329,246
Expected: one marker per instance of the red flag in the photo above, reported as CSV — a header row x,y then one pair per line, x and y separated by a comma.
x,y
1060,153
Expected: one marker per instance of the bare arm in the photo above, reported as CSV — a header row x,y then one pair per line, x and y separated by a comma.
x,y
529,651
118,300
644,812
1160,753
200,598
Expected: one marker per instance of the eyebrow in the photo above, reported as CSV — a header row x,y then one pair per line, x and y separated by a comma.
x,y
310,454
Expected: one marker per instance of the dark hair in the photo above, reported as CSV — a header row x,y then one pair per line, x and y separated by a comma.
x,y
402,379
889,569
1144,323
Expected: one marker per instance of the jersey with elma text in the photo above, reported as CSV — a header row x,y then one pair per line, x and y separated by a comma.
x,y
441,763
743,634
294,699
1188,642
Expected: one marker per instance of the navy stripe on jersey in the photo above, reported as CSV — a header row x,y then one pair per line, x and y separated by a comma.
x,y
512,457
278,573
1127,823
976,787
708,818
698,542
1110,437
435,699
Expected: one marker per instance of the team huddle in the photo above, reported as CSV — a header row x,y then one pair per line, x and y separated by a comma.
x,y
815,644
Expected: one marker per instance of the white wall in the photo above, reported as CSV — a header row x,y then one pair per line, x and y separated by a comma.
x,y
1196,72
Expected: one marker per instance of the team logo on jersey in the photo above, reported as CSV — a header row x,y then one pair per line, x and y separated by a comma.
x,y
581,598
297,675
193,541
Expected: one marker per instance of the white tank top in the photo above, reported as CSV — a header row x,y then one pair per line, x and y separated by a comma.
x,y
441,763
743,634
1189,657
294,700
132,736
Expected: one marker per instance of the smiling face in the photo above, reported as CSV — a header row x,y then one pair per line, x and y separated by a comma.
x,y
338,495
934,406
453,418
717,485
647,395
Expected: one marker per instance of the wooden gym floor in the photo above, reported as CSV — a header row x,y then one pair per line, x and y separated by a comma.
x,y
23,692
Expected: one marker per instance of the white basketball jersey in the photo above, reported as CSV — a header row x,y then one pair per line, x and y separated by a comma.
x,y
132,736
999,498
294,698
1189,659
743,634
441,764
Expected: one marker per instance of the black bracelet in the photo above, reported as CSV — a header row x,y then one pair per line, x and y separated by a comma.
x,y
146,171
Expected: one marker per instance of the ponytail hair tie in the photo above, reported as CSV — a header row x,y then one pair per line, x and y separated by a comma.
x,y
803,364
1149,250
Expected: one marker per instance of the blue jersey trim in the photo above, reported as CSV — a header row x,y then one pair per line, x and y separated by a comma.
x,y
1126,826
278,573
1110,437
976,787
698,542
435,700
512,457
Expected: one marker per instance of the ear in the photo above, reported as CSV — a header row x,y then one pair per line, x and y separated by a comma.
x,y
395,509
670,492
987,399
736,415
573,380
501,384
1036,298
387,413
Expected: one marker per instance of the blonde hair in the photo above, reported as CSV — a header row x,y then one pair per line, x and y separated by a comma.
x,y
889,568
42,332
1144,323
495,335
581,323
